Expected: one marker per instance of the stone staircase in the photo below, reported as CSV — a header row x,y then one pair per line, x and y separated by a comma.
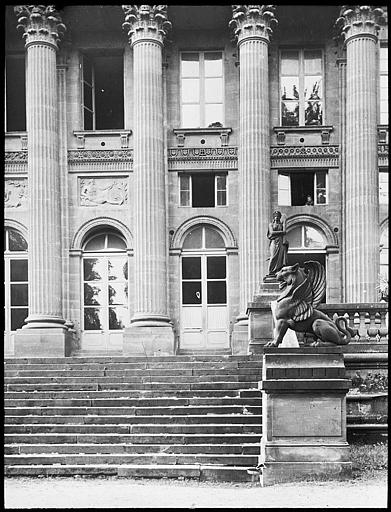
x,y
184,416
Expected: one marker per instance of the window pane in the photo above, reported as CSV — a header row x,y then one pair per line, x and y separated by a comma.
x,y
302,186
213,114
217,292
312,62
109,92
94,269
93,319
290,113
191,268
115,242
87,70
294,237
194,239
213,239
191,292
15,93
185,198
203,190
320,187
313,113
191,116
312,238
289,63
284,189
118,293
19,270
383,59
221,182
87,96
383,187
88,120
94,294
213,64
18,317
96,244
221,198
190,90
313,88
117,318
118,268
216,267
16,241
19,294
213,90
289,88
190,64
184,184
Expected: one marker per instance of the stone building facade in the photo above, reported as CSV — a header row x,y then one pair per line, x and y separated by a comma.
x,y
146,148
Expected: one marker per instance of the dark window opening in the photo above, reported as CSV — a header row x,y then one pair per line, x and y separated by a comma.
x,y
203,190
15,94
302,186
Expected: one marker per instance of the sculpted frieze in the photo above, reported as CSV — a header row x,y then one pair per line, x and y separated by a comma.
x,y
99,155
196,153
15,193
15,156
103,191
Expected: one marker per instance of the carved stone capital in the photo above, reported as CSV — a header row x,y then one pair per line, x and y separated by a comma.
x,y
359,20
146,22
41,24
252,21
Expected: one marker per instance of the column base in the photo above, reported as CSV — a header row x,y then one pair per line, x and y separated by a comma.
x,y
40,342
240,338
283,472
149,340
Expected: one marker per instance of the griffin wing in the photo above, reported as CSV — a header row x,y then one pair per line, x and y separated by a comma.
x,y
303,298
317,277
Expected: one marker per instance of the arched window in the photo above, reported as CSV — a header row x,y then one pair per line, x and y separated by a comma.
x,y
202,238
105,282
15,280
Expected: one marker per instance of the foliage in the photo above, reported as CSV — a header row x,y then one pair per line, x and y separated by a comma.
x,y
369,458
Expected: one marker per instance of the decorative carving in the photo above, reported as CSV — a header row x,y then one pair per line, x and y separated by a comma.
x,y
15,193
181,139
278,244
146,22
249,21
382,134
203,158
81,141
98,191
302,291
296,156
356,20
281,138
124,136
325,136
117,155
15,156
40,24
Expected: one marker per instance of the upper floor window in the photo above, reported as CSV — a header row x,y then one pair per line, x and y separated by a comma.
x,y
102,81
15,93
203,190
383,67
302,188
383,186
301,81
202,89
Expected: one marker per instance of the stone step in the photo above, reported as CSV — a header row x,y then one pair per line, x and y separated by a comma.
x,y
127,394
129,402
130,379
200,365
104,419
123,386
198,472
150,428
130,359
111,448
124,458
134,439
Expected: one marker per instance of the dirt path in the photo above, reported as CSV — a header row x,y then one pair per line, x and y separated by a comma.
x,y
127,493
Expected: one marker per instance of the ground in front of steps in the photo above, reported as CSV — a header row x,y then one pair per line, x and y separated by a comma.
x,y
107,493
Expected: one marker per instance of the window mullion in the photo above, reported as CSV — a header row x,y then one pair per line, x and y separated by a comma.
x,y
202,89
93,96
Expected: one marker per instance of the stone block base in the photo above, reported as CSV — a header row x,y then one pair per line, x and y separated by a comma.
x,y
149,341
240,339
50,342
284,472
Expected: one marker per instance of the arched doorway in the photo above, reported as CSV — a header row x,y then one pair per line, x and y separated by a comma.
x,y
15,285
204,308
104,291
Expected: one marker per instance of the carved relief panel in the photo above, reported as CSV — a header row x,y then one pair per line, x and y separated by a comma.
x,y
103,191
15,193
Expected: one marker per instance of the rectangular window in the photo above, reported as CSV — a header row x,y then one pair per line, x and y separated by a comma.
x,y
383,186
302,188
102,91
15,93
202,89
203,190
301,85
383,79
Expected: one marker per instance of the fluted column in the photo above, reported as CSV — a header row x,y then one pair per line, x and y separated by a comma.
x,y
42,28
359,27
146,26
252,28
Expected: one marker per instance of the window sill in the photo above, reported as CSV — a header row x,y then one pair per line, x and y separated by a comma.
x,y
222,132
324,131
122,134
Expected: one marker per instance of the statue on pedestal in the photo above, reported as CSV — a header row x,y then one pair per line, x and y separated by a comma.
x,y
303,289
278,244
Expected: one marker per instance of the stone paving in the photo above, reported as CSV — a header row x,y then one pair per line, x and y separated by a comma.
x,y
130,493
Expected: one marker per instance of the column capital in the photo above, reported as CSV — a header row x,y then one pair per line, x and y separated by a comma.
x,y
253,22
146,22
41,24
359,20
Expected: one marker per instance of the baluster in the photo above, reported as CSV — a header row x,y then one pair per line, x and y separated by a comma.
x,y
383,330
373,330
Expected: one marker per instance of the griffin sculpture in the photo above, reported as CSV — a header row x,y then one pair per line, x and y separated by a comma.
x,y
303,289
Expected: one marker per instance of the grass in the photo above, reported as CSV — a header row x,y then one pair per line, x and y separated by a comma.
x,y
369,460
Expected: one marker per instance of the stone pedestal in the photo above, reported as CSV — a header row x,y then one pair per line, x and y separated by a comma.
x,y
148,341
47,342
260,316
240,338
303,415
